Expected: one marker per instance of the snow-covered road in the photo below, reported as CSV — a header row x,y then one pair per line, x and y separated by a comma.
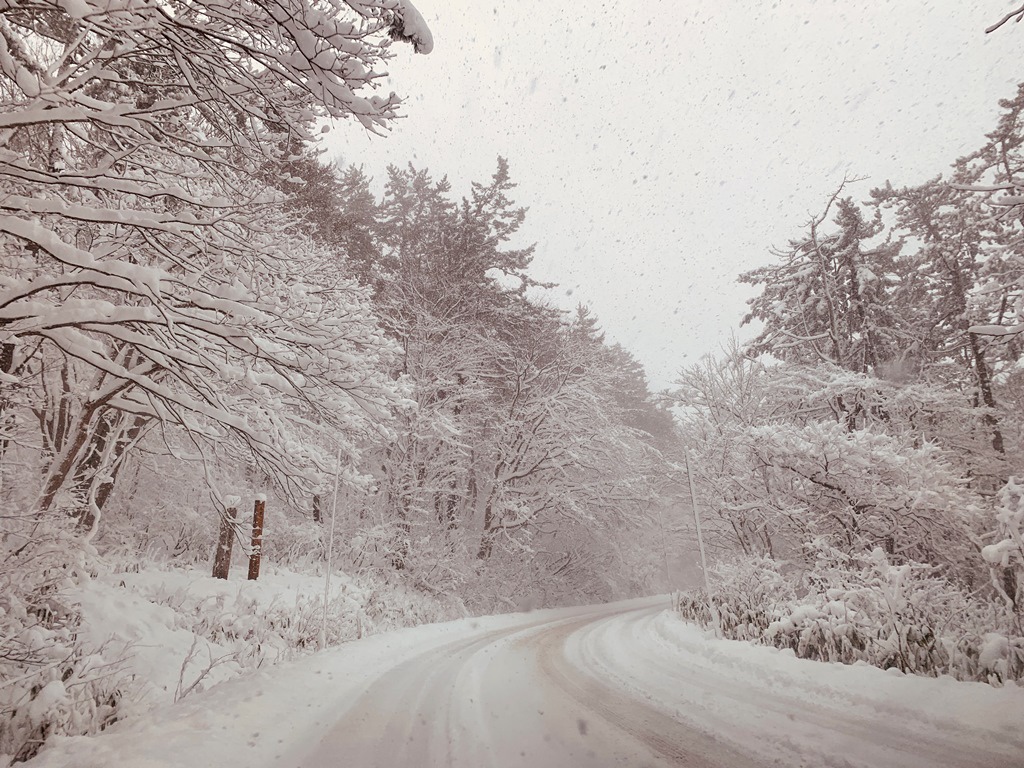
x,y
509,697
621,685
615,687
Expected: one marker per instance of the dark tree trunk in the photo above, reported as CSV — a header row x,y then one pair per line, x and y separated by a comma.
x,y
126,440
87,469
90,465
487,540
400,554
222,558
1010,586
69,454
6,365
985,390
259,506
446,508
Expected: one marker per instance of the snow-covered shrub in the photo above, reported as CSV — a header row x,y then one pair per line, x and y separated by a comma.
x,y
165,516
89,638
692,605
749,594
262,625
998,657
864,608
393,604
237,620
51,681
299,544
1005,557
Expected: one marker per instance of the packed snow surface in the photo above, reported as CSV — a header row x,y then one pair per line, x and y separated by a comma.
x,y
622,684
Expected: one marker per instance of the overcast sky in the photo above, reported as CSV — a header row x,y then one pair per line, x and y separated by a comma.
x,y
663,147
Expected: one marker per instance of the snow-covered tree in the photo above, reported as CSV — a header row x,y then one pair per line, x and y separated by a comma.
x,y
938,279
140,249
826,298
996,172
530,435
781,464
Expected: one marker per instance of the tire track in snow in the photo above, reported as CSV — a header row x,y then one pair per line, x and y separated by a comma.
x,y
509,698
736,702
664,735
606,688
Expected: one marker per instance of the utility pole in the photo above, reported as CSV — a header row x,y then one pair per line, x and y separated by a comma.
x,y
664,549
330,549
700,543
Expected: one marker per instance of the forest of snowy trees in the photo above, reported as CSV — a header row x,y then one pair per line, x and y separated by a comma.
x,y
861,457
197,313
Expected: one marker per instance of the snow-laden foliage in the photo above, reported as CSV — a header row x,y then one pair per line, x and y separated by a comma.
x,y
870,437
167,323
994,172
851,500
532,441
789,454
750,593
825,301
85,645
147,266
863,608
51,683
1005,556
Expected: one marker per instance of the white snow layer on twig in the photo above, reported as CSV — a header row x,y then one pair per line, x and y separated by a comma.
x,y
415,28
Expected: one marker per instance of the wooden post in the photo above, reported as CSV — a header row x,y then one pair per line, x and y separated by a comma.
x,y
222,558
258,507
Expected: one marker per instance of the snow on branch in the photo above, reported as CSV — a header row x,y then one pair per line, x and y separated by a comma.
x,y
996,330
410,27
141,236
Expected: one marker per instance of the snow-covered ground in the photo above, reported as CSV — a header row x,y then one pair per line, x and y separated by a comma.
x,y
178,631
794,712
625,684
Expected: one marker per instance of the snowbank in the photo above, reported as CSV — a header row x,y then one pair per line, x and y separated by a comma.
x,y
269,718
131,642
792,711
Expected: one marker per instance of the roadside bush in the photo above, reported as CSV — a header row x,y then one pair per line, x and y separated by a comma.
x,y
50,683
863,608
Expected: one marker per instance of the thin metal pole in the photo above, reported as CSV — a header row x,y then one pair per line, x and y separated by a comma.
x,y
330,549
664,549
700,544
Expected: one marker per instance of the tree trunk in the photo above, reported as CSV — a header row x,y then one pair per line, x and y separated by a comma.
x,y
985,390
318,514
65,460
257,537
487,540
129,437
222,559
446,505
87,469
400,554
1010,586
7,366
